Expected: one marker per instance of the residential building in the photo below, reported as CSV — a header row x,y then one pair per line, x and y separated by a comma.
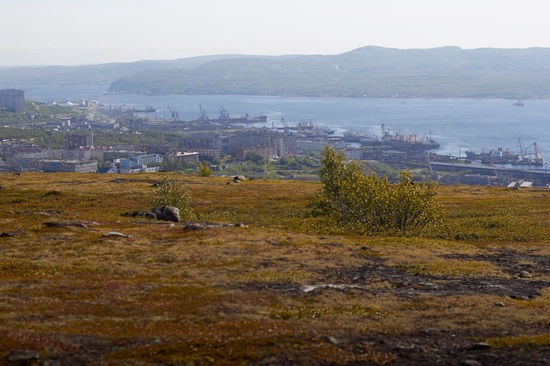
x,y
188,157
138,161
207,145
76,141
12,100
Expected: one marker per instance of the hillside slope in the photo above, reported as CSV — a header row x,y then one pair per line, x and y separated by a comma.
x,y
82,284
368,71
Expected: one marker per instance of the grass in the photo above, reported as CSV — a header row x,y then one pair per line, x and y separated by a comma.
x,y
235,295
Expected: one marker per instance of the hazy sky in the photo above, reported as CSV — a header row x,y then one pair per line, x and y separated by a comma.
x,y
71,32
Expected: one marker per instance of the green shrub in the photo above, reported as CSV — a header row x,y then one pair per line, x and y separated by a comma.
x,y
370,204
204,170
170,192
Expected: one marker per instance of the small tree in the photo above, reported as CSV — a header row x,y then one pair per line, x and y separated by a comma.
x,y
369,204
170,192
204,170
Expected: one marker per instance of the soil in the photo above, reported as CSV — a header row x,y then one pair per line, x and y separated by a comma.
x,y
439,346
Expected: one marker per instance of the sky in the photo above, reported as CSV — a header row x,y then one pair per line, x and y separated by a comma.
x,y
80,32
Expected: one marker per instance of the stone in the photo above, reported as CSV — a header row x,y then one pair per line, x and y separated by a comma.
x,y
525,274
17,355
167,213
499,304
115,234
481,346
470,363
239,178
519,297
6,235
193,227
66,224
144,214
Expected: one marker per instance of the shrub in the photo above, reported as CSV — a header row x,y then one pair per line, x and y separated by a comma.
x,y
204,170
369,204
170,192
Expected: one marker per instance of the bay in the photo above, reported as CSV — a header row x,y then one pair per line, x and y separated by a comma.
x,y
457,124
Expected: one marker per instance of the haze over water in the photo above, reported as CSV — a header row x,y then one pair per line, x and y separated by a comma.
x,y
457,124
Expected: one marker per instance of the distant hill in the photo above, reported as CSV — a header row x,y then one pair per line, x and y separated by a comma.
x,y
93,74
368,71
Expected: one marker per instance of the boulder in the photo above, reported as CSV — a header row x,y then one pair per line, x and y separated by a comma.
x,y
167,213
144,214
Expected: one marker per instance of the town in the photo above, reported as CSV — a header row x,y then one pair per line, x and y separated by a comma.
x,y
91,137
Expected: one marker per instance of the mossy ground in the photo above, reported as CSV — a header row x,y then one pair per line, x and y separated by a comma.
x,y
284,290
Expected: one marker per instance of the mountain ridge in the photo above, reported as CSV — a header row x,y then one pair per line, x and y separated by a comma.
x,y
370,71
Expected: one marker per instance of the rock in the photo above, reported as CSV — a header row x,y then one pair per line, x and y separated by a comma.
x,y
481,346
6,235
115,234
519,297
333,340
239,178
17,355
470,363
167,213
525,274
65,224
499,304
144,214
193,227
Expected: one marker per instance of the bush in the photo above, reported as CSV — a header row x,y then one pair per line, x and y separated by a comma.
x,y
204,170
370,204
170,192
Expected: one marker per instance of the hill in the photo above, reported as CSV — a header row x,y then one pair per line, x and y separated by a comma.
x,y
93,74
283,289
369,71
445,72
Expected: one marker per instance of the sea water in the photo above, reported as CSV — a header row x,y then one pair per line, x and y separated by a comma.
x,y
457,124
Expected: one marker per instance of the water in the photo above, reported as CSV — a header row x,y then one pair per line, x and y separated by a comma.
x,y
457,124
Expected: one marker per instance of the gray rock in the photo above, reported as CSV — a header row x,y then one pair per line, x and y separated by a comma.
x,y
66,224
470,363
239,178
17,355
193,227
520,297
115,234
525,274
167,213
481,346
144,214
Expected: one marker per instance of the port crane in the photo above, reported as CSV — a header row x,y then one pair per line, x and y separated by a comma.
x,y
529,156
174,113
203,116
224,115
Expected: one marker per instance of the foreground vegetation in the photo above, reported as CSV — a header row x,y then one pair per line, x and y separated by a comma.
x,y
82,284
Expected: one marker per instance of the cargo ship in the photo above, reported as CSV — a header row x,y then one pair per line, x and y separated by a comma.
x,y
398,141
225,118
503,156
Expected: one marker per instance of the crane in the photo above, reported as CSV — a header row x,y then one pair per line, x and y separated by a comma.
x,y
224,115
203,117
174,113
